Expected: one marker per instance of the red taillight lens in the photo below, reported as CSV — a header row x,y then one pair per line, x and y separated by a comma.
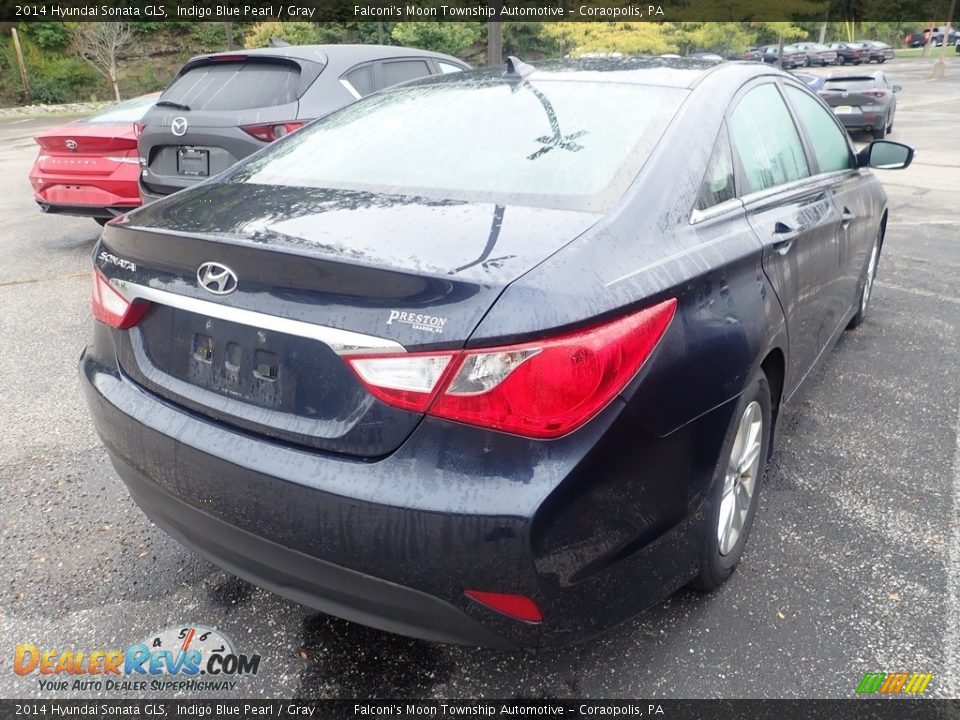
x,y
875,93
111,307
519,607
542,389
268,132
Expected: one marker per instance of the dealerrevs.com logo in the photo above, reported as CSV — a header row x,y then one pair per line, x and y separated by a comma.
x,y
894,683
176,659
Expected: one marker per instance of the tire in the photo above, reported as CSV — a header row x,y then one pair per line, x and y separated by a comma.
x,y
889,124
881,132
722,545
870,276
840,60
882,60
102,221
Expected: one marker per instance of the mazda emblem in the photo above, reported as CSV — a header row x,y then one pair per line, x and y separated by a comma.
x,y
216,278
71,144
179,126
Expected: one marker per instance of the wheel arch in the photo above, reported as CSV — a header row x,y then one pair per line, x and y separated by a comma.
x,y
774,367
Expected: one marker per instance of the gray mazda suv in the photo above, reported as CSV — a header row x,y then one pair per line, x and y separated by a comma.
x,y
223,107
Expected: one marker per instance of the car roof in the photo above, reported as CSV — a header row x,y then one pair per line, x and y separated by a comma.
x,y
636,70
336,56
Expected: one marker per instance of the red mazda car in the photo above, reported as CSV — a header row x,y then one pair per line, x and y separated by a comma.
x,y
89,167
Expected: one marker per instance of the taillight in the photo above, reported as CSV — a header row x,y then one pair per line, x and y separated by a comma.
x,y
518,607
541,389
138,129
875,93
111,307
268,132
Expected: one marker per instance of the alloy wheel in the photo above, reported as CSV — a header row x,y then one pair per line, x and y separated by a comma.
x,y
868,283
740,481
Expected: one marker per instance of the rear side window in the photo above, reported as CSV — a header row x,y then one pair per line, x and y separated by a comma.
x,y
766,140
235,86
447,68
718,185
361,79
567,143
829,141
398,71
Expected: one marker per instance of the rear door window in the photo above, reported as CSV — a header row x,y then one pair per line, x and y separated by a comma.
x,y
766,140
398,71
235,86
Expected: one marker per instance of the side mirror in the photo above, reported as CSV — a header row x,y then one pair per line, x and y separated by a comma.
x,y
897,88
885,155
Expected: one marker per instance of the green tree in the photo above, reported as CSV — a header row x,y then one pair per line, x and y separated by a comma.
x,y
295,33
582,38
452,38
723,38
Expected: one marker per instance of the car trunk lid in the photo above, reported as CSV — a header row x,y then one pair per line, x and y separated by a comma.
x,y
392,272
86,149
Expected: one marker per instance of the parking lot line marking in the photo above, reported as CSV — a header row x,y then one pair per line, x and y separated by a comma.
x,y
28,281
918,291
951,649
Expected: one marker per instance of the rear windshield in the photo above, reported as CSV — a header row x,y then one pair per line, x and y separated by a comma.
x,y
850,84
548,142
235,86
129,111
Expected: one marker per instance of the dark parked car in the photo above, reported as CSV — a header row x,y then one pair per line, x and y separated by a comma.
x,y
879,51
850,53
934,35
222,107
866,101
483,358
792,57
818,54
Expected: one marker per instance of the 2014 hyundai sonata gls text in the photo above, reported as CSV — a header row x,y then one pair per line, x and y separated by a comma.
x,y
491,358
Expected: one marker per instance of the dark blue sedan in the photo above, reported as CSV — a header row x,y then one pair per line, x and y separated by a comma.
x,y
490,358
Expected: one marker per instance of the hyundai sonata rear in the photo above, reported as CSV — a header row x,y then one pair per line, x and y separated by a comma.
x,y
470,359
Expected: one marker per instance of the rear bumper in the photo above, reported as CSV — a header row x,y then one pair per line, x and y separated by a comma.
x,y
861,120
104,196
92,211
594,527
308,580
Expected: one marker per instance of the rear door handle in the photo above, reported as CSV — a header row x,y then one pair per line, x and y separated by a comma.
x,y
845,217
784,237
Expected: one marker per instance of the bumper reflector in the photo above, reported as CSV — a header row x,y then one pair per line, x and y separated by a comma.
x,y
518,607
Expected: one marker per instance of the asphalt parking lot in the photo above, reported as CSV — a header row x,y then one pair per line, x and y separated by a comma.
x,y
853,565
